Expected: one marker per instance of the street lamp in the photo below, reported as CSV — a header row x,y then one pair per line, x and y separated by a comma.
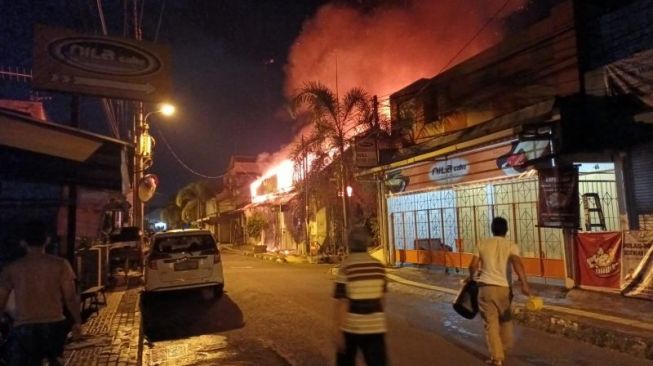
x,y
143,156
167,109
145,139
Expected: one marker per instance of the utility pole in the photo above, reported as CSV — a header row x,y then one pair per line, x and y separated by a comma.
x,y
382,206
72,194
307,245
139,127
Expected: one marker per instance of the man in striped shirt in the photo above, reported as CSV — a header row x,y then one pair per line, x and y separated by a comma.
x,y
359,292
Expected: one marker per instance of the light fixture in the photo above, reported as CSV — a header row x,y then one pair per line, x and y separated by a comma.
x,y
167,109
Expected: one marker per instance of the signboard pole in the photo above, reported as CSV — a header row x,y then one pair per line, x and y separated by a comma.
x,y
72,195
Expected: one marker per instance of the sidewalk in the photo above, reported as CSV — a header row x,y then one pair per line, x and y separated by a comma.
x,y
605,320
111,337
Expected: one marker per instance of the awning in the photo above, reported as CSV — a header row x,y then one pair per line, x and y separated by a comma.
x,y
503,127
39,151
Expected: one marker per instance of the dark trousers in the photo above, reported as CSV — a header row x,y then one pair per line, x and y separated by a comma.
x,y
30,343
372,346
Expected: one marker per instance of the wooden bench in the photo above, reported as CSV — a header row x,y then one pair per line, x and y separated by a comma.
x,y
91,299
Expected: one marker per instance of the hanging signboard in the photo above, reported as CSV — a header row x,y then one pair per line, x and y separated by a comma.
x,y
558,203
366,152
599,259
101,66
637,264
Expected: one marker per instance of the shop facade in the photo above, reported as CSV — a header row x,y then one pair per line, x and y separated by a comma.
x,y
446,205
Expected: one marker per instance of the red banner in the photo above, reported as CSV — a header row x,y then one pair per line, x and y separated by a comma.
x,y
599,259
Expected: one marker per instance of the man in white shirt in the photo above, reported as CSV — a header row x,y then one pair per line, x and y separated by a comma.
x,y
494,257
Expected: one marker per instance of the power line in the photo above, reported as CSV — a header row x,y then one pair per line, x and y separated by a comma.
x,y
182,163
480,30
158,25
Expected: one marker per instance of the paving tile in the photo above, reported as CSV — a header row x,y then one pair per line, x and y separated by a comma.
x,y
117,325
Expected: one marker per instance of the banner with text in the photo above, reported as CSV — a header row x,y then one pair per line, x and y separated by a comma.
x,y
599,257
558,204
637,264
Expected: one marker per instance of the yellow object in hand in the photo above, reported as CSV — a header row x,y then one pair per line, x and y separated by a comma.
x,y
534,303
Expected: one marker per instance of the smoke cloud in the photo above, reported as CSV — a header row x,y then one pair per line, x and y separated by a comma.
x,y
390,47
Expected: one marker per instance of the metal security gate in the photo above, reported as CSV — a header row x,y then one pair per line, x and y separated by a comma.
x,y
457,218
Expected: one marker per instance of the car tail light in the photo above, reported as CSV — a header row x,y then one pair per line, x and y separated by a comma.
x,y
154,256
216,257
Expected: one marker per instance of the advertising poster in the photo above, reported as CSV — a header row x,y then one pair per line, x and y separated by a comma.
x,y
558,204
599,258
637,264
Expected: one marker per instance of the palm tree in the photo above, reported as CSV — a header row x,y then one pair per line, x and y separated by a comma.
x,y
171,214
191,198
335,123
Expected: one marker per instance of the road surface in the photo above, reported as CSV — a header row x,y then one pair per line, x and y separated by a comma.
x,y
280,314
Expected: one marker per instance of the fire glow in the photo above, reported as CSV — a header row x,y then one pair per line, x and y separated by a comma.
x,y
283,173
286,173
401,43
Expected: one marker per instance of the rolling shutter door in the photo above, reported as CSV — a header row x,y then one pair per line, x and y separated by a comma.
x,y
641,159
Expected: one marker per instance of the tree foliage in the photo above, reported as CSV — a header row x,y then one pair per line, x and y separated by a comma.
x,y
334,123
256,223
171,214
191,199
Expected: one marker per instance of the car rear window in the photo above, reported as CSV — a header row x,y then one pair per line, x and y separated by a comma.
x,y
186,243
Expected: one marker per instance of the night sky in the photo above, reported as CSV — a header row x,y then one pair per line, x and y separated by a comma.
x,y
228,91
235,61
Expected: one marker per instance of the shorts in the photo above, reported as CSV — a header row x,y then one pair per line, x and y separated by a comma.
x,y
29,344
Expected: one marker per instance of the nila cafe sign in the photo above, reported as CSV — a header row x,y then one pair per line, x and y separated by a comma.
x,y
449,171
101,66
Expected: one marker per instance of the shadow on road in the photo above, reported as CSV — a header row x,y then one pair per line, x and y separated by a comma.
x,y
182,314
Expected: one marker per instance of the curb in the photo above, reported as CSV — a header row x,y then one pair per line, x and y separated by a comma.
x,y
573,324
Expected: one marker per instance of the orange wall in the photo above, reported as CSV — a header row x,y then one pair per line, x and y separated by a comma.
x,y
550,268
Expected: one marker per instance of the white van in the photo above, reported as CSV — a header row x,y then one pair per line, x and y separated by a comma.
x,y
184,259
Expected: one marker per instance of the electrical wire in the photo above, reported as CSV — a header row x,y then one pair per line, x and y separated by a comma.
x,y
181,162
101,14
480,30
158,24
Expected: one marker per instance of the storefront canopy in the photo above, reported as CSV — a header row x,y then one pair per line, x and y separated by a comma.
x,y
39,151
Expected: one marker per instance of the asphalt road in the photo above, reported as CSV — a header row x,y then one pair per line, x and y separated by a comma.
x,y
280,314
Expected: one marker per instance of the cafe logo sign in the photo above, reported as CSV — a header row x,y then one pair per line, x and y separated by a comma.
x,y
104,56
449,171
